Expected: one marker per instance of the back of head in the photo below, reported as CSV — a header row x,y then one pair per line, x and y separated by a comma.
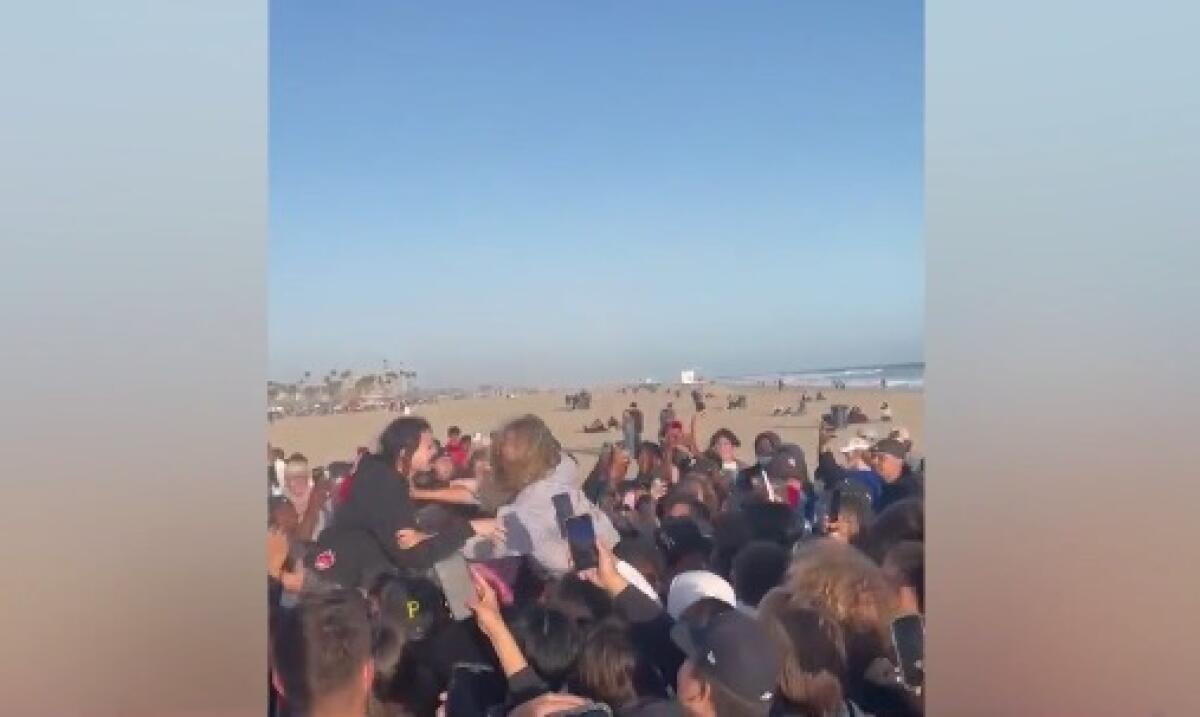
x,y
900,521
525,451
550,640
409,610
731,533
841,581
702,612
904,565
814,656
774,522
581,601
757,569
611,670
684,543
321,650
681,503
645,556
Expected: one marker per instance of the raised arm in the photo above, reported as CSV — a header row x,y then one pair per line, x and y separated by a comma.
x,y
453,494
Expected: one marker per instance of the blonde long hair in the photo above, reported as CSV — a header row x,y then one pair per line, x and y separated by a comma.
x,y
525,451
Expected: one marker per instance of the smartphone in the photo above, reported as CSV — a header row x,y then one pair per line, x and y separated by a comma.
x,y
562,510
473,690
835,505
454,577
581,538
908,637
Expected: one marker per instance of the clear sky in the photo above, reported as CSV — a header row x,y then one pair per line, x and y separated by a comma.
x,y
569,192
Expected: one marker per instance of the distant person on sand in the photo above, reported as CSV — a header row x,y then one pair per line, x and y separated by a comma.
x,y
665,417
632,423
885,412
596,426
455,448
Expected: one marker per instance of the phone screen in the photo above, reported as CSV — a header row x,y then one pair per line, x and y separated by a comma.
x,y
835,505
562,510
581,538
908,636
455,580
473,689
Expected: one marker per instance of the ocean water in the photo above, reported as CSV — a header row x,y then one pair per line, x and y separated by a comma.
x,y
904,376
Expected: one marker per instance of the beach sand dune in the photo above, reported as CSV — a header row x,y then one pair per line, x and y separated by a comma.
x,y
328,438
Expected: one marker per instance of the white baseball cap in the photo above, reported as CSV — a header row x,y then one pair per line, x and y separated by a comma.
x,y
635,578
856,444
691,587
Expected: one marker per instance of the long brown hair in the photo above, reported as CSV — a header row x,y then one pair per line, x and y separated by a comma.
x,y
841,581
524,452
814,655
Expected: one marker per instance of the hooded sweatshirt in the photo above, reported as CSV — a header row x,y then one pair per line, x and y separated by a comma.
x,y
531,524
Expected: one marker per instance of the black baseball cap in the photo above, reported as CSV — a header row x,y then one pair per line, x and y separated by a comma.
x,y
415,605
736,652
891,447
787,465
678,537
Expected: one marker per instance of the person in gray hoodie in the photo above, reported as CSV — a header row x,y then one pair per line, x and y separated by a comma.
x,y
529,469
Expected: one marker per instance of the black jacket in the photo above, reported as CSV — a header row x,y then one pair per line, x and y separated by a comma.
x,y
361,539
908,485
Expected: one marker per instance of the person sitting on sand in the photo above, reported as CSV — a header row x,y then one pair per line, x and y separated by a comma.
x,y
885,412
596,426
612,423
856,415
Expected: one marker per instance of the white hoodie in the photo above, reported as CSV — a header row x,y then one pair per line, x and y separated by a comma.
x,y
531,526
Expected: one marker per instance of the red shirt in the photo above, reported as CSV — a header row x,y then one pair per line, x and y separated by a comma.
x,y
458,454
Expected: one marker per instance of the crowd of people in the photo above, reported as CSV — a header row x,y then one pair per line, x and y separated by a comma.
x,y
668,578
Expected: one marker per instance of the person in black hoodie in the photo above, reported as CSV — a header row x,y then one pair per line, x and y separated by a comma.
x,y
899,481
374,529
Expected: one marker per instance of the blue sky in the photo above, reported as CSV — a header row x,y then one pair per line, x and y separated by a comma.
x,y
565,192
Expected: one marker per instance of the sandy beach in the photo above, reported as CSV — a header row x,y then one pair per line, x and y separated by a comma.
x,y
328,438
